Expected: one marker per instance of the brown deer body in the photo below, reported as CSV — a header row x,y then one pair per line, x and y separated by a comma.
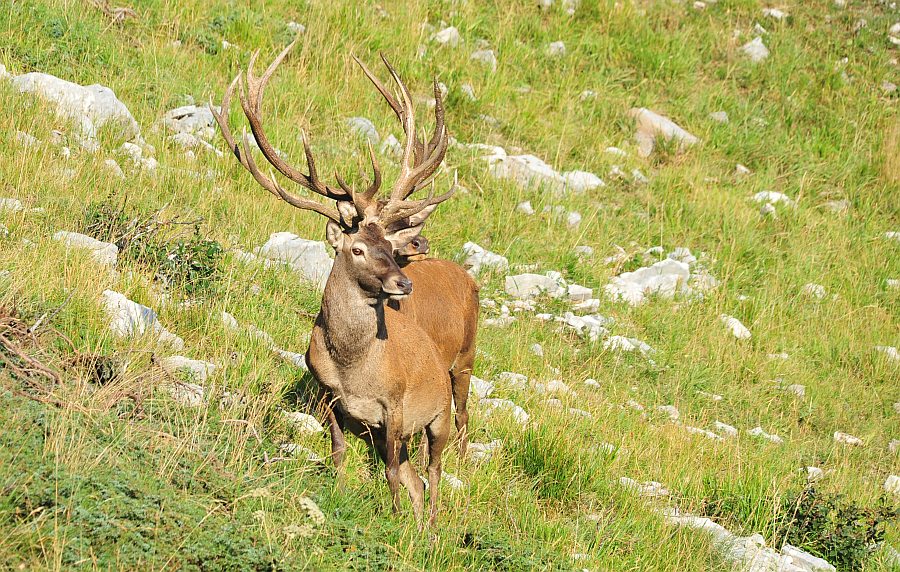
x,y
444,303
381,373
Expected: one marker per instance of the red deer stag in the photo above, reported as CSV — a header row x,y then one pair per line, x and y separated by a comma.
x,y
444,302
382,374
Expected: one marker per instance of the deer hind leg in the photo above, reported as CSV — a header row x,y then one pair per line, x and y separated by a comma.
x,y
438,433
410,479
460,377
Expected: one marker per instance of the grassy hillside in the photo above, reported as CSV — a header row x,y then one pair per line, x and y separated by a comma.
x,y
107,471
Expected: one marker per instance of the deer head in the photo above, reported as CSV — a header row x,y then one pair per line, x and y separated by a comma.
x,y
368,231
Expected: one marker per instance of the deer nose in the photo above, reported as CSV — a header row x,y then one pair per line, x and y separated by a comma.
x,y
405,285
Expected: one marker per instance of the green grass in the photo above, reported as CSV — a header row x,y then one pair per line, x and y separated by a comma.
x,y
97,484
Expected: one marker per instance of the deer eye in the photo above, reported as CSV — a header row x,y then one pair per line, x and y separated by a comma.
x,y
356,251
415,244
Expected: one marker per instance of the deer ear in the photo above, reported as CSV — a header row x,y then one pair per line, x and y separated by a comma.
x,y
347,211
420,216
334,234
402,237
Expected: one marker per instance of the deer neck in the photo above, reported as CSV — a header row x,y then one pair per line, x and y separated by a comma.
x,y
351,319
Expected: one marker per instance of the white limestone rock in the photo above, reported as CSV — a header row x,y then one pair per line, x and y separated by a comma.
x,y
307,257
478,258
623,344
761,433
555,49
365,129
8,205
890,352
719,117
449,36
187,394
483,452
485,57
649,489
196,120
525,208
892,485
518,414
756,50
130,319
805,561
305,423
92,107
735,327
847,439
104,253
651,126
664,278
197,370
480,388
725,429
532,285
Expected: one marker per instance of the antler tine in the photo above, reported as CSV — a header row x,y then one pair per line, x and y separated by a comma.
x,y
409,126
376,176
406,209
221,118
271,185
251,102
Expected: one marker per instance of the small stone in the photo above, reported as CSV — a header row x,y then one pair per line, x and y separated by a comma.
x,y
103,253
525,208
468,91
187,394
391,147
894,445
796,389
847,439
756,50
760,432
714,397
774,13
365,129
735,326
556,50
531,285
296,28
649,489
741,170
888,87
537,349
615,151
592,383
725,429
453,481
305,423
573,219
518,414
584,251
197,370
27,140
890,352
449,36
719,116
670,411
486,57
482,452
479,388
587,95
892,485
814,291
813,474
478,258
651,126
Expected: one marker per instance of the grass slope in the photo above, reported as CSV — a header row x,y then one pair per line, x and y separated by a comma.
x,y
93,486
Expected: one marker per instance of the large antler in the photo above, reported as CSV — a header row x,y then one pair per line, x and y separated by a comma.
x,y
419,161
